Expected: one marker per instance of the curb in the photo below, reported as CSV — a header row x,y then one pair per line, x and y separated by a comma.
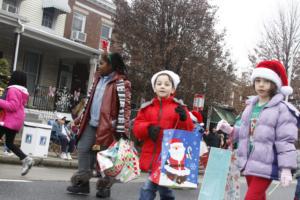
x,y
47,162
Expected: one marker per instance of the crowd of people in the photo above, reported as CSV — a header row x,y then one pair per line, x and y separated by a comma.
x,y
265,133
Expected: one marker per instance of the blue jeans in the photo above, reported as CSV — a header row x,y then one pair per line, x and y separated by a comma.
x,y
297,192
149,189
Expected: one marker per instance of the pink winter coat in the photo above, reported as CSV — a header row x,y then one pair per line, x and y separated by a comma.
x,y
13,107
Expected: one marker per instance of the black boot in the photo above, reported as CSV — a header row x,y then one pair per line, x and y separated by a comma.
x,y
80,188
103,193
80,183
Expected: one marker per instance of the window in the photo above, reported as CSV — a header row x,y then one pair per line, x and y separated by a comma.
x,y
10,6
105,32
48,17
78,22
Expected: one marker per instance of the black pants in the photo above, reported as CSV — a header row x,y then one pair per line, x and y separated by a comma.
x,y
66,145
9,141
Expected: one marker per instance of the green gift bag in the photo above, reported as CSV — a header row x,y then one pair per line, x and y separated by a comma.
x,y
216,172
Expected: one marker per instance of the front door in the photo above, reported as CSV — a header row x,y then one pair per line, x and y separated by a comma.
x,y
31,67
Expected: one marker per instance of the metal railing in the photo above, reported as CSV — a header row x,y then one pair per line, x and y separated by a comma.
x,y
50,99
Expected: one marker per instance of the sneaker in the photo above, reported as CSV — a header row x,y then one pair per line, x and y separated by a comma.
x,y
27,164
8,153
69,157
82,188
63,156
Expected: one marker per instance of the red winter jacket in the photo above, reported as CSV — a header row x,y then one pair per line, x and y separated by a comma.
x,y
161,113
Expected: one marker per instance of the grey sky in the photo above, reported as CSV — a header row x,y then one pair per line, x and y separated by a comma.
x,y
244,21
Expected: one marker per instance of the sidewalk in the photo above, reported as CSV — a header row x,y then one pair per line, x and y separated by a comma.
x,y
51,161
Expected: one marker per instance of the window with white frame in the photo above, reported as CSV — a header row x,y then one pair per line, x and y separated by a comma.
x,y
11,6
48,17
105,32
78,22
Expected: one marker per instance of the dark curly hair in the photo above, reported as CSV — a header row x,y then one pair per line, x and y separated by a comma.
x,y
116,61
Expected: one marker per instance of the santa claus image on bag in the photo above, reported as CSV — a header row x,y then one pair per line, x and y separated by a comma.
x,y
175,165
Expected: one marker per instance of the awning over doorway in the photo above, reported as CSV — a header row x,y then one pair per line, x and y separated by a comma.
x,y
61,5
222,113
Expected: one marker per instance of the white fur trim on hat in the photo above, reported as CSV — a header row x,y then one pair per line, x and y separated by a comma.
x,y
267,74
286,90
174,76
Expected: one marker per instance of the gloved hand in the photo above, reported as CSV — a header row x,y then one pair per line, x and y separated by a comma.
x,y
153,132
224,126
181,112
286,177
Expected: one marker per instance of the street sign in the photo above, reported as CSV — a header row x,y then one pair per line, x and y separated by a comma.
x,y
198,102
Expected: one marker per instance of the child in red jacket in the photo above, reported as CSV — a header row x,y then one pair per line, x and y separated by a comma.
x,y
162,112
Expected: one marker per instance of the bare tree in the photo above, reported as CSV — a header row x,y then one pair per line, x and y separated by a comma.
x,y
281,38
282,41
178,35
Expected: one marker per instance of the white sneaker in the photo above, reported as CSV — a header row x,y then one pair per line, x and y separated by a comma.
x,y
27,164
69,157
63,156
8,153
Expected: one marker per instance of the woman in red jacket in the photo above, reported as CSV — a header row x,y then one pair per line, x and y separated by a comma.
x,y
162,112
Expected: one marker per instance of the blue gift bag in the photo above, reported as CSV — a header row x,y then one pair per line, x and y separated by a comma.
x,y
216,172
179,159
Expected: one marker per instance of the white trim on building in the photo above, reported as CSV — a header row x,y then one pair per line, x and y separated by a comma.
x,y
93,10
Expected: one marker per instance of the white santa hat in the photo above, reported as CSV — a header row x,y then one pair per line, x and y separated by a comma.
x,y
274,71
173,75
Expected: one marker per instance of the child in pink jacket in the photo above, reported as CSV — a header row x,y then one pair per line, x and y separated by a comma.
x,y
12,119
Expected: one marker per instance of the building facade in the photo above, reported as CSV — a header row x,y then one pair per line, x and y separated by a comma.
x,y
57,43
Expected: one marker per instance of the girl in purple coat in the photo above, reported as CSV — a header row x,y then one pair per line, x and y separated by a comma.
x,y
13,118
267,131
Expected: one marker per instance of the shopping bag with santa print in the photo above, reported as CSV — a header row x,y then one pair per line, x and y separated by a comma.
x,y
179,159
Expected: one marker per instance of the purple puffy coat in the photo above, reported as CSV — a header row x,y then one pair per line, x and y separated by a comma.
x,y
274,136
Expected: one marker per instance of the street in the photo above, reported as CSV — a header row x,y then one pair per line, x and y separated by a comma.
x,y
50,183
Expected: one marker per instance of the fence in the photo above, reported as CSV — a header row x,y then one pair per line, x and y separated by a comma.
x,y
50,99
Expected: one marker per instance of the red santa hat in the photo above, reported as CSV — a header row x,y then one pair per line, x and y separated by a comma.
x,y
175,78
175,141
274,71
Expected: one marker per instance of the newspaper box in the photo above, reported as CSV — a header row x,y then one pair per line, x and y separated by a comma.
x,y
35,139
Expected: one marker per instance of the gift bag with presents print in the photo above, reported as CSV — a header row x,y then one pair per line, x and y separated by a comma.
x,y
120,161
179,159
216,173
232,188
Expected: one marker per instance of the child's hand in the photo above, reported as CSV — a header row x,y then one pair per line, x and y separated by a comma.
x,y
286,177
224,126
153,132
181,112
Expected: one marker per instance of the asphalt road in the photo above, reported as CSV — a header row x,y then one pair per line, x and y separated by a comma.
x,y
50,184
